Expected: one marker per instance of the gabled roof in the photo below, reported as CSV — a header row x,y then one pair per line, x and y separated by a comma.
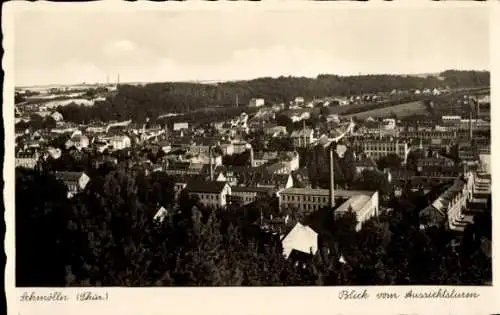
x,y
302,133
301,238
69,176
200,186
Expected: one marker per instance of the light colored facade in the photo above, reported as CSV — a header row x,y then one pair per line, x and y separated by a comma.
x,y
181,126
389,123
302,138
57,116
299,100
77,140
120,142
377,148
75,181
302,239
256,102
211,194
365,204
248,195
27,159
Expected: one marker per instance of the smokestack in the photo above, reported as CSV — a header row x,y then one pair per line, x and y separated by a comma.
x,y
304,131
332,180
251,157
470,125
211,163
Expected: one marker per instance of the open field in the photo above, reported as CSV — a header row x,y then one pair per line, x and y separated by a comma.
x,y
402,110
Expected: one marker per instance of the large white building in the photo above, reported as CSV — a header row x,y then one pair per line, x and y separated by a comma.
x,y
377,148
210,193
364,204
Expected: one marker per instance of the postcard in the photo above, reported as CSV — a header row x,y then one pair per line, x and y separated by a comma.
x,y
250,158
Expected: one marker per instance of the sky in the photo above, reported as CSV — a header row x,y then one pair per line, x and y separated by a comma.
x,y
68,47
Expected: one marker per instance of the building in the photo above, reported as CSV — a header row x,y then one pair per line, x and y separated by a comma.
x,y
210,193
27,159
272,130
389,123
57,116
181,126
246,195
260,158
256,102
75,181
184,168
118,142
302,138
160,215
364,204
448,209
299,100
77,140
377,148
302,239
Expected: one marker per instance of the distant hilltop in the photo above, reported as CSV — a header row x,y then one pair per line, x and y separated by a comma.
x,y
438,75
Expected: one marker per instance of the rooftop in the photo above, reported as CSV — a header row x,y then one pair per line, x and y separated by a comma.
x,y
201,186
325,192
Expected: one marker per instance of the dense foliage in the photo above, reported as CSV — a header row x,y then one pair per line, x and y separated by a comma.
x,y
106,236
156,99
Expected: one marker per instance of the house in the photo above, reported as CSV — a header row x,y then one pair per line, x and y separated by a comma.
x,y
448,208
54,153
435,91
160,215
260,158
75,181
362,163
57,116
256,102
299,100
272,130
77,140
181,126
364,204
27,159
210,193
302,138
302,239
117,142
246,195
184,168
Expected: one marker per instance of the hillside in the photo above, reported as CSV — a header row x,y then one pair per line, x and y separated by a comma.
x,y
155,99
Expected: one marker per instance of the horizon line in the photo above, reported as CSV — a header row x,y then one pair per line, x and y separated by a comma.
x,y
208,81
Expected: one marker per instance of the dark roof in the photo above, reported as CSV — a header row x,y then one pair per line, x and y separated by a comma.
x,y
201,186
68,176
185,178
249,189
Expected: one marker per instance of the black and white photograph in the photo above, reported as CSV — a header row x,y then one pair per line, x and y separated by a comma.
x,y
252,148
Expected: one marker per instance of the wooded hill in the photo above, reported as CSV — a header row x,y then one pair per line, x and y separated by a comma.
x,y
155,99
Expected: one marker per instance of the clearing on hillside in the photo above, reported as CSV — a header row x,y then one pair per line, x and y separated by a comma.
x,y
402,110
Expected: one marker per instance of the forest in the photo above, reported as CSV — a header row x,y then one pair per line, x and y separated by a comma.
x,y
156,99
106,236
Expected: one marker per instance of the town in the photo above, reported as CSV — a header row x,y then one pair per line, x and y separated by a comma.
x,y
374,180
